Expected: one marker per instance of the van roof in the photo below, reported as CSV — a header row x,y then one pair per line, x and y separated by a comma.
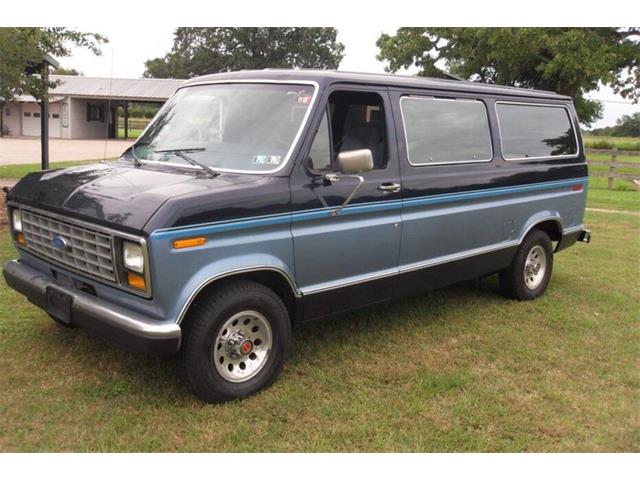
x,y
327,77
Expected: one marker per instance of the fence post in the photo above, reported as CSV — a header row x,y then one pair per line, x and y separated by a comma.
x,y
612,168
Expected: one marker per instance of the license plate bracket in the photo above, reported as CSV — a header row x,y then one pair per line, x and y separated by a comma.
x,y
59,304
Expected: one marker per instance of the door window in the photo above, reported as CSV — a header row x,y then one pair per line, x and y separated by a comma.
x,y
354,121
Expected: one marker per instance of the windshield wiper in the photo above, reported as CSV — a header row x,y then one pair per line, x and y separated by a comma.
x,y
182,153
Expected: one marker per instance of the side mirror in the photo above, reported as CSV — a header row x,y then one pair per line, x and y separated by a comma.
x,y
355,161
351,164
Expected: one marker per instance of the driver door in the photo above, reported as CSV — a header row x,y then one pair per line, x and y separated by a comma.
x,y
344,258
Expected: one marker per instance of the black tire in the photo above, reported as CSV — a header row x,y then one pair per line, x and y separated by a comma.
x,y
512,279
60,322
202,325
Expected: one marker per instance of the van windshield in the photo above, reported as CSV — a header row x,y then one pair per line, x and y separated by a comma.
x,y
227,127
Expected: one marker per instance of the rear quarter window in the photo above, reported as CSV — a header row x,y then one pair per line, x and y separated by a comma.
x,y
441,131
535,131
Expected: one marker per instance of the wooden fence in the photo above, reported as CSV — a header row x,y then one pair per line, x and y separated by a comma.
x,y
614,164
134,123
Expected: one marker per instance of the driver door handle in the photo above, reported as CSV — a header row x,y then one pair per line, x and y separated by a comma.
x,y
389,187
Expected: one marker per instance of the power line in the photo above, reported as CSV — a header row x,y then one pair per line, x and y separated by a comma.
x,y
624,102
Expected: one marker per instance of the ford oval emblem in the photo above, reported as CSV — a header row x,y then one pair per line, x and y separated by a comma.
x,y
59,242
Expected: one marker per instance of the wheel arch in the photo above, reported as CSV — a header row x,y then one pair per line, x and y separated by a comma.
x,y
551,225
271,277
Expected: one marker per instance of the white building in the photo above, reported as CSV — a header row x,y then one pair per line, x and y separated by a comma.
x,y
84,107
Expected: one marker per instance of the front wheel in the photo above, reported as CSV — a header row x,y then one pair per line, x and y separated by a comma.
x,y
528,275
235,341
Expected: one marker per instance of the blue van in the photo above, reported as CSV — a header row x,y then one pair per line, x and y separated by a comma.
x,y
259,200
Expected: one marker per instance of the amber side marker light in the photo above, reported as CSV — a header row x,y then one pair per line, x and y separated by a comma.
x,y
189,242
20,238
136,281
577,187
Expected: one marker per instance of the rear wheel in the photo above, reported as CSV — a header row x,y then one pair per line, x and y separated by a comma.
x,y
235,341
528,275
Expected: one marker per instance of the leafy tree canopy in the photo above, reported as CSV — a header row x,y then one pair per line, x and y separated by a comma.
x,y
21,47
626,126
570,61
199,51
68,71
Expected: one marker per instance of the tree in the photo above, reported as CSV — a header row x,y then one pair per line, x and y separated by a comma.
x,y
21,47
626,126
198,51
68,71
570,61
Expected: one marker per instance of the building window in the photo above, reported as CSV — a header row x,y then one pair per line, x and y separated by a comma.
x,y
7,112
445,131
36,114
56,115
530,131
95,113
27,114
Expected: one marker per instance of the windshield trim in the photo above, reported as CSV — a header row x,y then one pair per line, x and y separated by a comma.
x,y
294,143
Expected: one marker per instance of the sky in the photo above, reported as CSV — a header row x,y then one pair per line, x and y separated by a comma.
x,y
128,49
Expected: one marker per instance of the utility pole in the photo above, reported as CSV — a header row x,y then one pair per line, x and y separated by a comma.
x,y
42,69
44,118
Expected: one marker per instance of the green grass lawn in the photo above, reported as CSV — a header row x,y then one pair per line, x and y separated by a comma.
x,y
622,197
19,171
133,133
459,369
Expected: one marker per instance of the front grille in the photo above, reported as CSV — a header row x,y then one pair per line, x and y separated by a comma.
x,y
86,250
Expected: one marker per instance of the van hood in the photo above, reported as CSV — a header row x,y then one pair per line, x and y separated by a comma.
x,y
116,194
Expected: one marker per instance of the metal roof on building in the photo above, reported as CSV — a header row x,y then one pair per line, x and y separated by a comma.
x,y
134,89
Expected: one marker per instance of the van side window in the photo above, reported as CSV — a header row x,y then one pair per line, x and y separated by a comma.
x,y
535,131
320,153
354,120
445,131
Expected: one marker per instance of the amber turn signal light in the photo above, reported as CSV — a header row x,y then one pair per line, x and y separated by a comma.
x,y
136,281
189,242
20,238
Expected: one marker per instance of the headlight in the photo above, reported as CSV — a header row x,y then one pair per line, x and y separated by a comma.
x,y
17,221
132,257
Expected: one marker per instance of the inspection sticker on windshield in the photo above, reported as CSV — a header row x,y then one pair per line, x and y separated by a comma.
x,y
267,159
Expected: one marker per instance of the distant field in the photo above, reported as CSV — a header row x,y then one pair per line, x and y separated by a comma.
x,y
601,141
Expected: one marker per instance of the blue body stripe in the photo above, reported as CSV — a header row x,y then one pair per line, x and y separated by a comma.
x,y
268,220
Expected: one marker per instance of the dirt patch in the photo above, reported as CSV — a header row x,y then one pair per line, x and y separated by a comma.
x,y
5,185
3,207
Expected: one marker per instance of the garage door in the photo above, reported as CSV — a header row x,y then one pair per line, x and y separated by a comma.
x,y
31,120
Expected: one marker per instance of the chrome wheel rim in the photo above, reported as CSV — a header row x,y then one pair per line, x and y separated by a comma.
x,y
535,267
242,346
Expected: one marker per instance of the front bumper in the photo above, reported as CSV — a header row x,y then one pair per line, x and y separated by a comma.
x,y
105,319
